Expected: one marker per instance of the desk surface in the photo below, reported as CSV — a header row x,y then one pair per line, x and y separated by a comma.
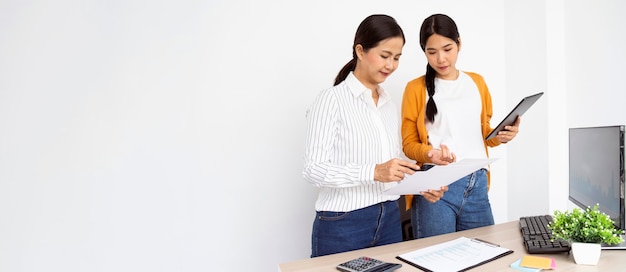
x,y
506,234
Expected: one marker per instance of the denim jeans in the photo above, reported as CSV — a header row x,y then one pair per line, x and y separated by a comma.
x,y
376,225
464,206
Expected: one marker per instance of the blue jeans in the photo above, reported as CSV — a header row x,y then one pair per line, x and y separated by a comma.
x,y
376,225
464,206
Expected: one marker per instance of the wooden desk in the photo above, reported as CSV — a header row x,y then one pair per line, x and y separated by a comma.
x,y
505,234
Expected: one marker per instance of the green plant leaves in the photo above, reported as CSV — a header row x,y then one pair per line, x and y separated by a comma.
x,y
588,226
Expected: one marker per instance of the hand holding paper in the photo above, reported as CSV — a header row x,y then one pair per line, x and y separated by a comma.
x,y
437,176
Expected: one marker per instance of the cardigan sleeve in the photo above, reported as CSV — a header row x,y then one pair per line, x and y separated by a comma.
x,y
414,135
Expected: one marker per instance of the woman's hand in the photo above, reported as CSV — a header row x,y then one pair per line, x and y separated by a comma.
x,y
509,132
434,195
441,156
394,170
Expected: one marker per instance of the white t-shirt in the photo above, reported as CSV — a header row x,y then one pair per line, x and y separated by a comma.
x,y
457,122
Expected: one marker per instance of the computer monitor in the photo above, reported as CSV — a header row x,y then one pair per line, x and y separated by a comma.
x,y
596,169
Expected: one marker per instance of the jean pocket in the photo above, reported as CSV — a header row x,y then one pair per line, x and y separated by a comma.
x,y
332,216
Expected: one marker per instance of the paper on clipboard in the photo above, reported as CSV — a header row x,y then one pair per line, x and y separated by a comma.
x,y
437,176
460,254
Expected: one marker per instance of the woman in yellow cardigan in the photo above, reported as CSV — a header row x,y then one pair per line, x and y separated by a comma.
x,y
445,117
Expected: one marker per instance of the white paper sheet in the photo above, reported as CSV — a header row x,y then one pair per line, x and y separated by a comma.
x,y
437,176
456,255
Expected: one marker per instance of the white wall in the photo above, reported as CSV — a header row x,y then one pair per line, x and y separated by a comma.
x,y
558,137
572,49
594,60
168,135
526,73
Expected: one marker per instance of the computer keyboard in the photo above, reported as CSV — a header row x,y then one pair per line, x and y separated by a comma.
x,y
536,235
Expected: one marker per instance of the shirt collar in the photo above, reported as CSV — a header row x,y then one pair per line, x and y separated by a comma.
x,y
357,88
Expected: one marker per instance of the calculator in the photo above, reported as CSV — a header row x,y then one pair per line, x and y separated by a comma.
x,y
367,264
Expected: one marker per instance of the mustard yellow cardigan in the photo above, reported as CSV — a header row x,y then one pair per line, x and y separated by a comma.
x,y
414,135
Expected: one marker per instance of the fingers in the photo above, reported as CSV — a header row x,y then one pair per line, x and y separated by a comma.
x,y
383,173
407,167
507,135
394,170
433,196
509,132
435,157
446,155
445,152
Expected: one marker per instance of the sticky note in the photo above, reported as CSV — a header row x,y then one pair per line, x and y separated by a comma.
x,y
536,262
516,265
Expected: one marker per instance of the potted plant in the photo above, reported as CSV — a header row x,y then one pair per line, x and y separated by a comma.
x,y
585,229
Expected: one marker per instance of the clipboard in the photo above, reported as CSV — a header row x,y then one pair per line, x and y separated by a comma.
x,y
460,254
519,110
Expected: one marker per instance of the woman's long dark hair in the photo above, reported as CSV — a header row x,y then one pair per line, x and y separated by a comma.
x,y
370,32
435,24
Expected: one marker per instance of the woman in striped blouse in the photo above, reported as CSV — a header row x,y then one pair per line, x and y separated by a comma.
x,y
353,148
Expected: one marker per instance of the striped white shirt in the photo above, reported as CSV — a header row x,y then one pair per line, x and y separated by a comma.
x,y
347,136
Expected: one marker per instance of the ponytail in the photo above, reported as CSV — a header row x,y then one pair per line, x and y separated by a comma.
x,y
349,67
431,108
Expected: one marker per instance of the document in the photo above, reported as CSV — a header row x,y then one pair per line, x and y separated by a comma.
x,y
437,176
457,255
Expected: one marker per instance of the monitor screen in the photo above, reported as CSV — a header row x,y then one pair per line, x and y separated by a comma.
x,y
596,169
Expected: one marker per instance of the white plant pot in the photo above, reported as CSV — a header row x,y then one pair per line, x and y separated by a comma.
x,y
586,253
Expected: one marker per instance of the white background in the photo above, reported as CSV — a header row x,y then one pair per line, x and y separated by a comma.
x,y
168,135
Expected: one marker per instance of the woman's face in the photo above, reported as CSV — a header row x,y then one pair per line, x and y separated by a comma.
x,y
375,65
441,53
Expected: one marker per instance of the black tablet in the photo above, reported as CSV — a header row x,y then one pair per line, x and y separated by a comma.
x,y
520,109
